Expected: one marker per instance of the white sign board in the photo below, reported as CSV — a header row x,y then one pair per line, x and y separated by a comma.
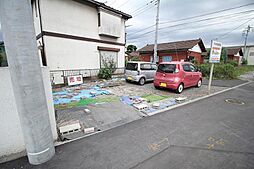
x,y
215,52
75,80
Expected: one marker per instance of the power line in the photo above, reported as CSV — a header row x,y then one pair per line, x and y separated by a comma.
x,y
122,4
219,11
210,13
200,20
142,7
192,28
145,10
143,29
226,34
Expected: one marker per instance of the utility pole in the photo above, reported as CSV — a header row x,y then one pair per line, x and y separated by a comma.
x,y
26,76
245,41
155,58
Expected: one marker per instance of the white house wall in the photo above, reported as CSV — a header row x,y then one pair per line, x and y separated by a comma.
x,y
11,141
73,18
66,54
250,52
196,48
80,20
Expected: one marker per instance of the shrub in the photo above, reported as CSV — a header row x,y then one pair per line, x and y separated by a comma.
x,y
244,62
105,73
233,63
205,69
221,71
135,58
109,67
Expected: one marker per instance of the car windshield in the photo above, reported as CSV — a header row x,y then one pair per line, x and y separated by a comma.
x,y
167,68
132,66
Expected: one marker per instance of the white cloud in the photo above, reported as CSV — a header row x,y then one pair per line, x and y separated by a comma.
x,y
175,10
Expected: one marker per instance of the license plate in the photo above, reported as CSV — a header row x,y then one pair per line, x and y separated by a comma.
x,y
129,78
163,84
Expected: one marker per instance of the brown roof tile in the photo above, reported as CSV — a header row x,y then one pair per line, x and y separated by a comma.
x,y
234,50
179,45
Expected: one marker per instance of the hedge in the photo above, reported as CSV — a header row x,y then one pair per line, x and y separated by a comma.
x,y
221,71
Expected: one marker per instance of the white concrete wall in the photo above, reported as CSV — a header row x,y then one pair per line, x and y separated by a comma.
x,y
73,18
250,57
196,48
64,54
11,141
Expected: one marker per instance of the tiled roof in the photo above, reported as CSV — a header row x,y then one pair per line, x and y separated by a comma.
x,y
233,50
179,45
134,54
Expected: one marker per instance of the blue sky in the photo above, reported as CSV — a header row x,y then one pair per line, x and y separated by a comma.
x,y
226,26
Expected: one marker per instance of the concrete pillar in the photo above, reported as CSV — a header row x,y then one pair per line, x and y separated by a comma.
x,y
26,75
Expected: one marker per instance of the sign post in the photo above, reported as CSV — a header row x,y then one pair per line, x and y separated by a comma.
x,y
215,54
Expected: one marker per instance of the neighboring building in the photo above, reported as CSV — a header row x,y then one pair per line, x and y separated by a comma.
x,y
3,59
74,36
249,55
132,55
189,50
235,54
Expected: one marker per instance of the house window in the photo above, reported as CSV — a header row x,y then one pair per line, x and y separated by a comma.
x,y
166,58
108,57
251,53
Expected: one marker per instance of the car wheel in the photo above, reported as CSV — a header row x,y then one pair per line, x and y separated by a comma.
x,y
199,84
180,88
127,80
142,81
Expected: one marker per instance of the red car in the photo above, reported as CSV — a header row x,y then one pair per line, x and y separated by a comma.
x,y
177,76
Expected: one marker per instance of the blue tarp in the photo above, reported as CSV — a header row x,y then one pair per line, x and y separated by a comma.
x,y
127,99
64,97
163,104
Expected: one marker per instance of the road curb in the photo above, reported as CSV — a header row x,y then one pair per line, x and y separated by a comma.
x,y
197,99
159,111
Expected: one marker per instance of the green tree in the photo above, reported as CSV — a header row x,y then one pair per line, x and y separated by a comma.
x,y
131,48
224,56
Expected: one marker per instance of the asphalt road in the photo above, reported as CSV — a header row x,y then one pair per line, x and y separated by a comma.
x,y
210,133
225,83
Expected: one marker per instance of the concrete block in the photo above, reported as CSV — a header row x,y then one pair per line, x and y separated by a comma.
x,y
70,128
89,130
181,98
141,106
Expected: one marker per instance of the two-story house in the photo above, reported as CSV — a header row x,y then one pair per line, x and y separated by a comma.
x,y
75,36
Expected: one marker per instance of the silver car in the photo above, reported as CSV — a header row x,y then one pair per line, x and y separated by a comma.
x,y
140,72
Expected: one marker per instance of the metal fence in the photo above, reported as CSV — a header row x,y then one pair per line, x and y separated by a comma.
x,y
60,76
